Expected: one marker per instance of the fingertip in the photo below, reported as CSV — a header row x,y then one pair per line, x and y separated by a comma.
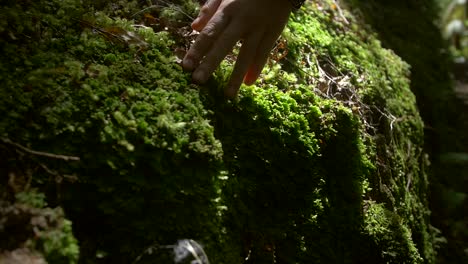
x,y
188,64
200,76
196,24
251,77
199,24
233,86
249,80
231,92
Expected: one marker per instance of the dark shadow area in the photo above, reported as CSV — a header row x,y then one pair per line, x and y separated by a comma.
x,y
408,27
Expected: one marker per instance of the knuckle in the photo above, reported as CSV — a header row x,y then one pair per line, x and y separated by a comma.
x,y
208,32
205,10
208,65
194,56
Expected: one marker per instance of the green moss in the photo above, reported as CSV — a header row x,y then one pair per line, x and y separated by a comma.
x,y
32,198
387,231
283,172
29,224
58,245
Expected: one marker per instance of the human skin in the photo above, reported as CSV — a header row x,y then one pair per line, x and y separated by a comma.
x,y
222,23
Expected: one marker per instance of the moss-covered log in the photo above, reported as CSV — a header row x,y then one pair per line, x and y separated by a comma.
x,y
321,161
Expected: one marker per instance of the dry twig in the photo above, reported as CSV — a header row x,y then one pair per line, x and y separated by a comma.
x,y
39,153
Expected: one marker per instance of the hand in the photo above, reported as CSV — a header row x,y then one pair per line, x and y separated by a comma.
x,y
222,23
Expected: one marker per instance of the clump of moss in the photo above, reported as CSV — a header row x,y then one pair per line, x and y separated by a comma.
x,y
279,174
387,231
147,151
30,229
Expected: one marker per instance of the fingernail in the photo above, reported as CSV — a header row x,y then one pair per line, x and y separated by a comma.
x,y
188,64
200,77
251,77
195,22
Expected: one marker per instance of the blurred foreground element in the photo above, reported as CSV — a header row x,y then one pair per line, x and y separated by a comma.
x,y
454,23
454,190
185,251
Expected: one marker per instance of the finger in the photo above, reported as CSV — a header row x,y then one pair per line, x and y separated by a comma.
x,y
206,13
219,50
205,41
252,75
246,56
263,52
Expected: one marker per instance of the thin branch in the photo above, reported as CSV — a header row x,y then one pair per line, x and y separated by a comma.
x,y
340,12
38,153
58,177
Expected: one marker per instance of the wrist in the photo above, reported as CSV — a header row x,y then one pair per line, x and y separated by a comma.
x,y
296,4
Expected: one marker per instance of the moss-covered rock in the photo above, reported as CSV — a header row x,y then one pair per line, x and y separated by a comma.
x,y
32,232
320,161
